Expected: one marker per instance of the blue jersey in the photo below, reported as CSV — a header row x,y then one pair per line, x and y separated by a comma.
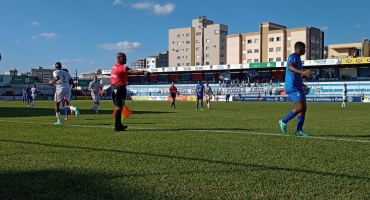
x,y
293,81
24,93
28,91
199,90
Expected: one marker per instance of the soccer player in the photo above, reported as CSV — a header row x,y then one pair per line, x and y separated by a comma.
x,y
33,94
293,88
344,95
94,88
24,95
227,97
28,95
63,81
208,94
199,91
173,92
119,81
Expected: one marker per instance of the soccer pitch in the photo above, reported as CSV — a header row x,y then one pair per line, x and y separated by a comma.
x,y
233,151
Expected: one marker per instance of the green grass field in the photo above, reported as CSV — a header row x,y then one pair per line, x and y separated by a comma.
x,y
233,151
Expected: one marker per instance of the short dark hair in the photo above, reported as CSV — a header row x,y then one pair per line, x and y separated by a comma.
x,y
64,69
58,64
207,82
299,45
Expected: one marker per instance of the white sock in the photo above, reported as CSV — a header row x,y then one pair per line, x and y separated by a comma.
x,y
58,116
72,108
208,105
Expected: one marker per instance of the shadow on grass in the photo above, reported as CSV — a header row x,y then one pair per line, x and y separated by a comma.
x,y
59,184
38,112
256,166
349,136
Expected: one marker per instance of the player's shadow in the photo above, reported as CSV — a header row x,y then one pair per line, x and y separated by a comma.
x,y
64,184
26,112
349,136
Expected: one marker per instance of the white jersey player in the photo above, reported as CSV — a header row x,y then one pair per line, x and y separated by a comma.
x,y
95,87
62,81
208,94
33,94
344,95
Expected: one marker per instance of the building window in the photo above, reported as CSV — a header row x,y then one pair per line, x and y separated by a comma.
x,y
197,41
317,41
188,35
244,61
278,49
178,35
178,57
216,32
249,60
187,64
187,57
222,39
187,42
198,34
256,51
222,63
271,49
221,55
178,43
243,42
244,52
278,59
207,55
256,40
288,49
278,39
249,50
207,40
256,60
222,47
271,60
198,56
187,49
207,63
271,39
288,38
249,41
178,64
207,48
313,57
197,63
197,49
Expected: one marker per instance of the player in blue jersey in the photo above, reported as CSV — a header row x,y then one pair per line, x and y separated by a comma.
x,y
199,92
294,89
28,95
24,95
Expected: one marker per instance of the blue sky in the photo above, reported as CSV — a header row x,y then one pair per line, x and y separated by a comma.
x,y
87,34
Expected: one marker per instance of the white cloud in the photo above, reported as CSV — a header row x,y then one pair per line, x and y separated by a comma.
x,y
156,8
35,23
324,28
49,35
117,2
123,46
33,37
358,26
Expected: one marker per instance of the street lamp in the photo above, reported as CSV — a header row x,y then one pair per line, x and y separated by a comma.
x,y
202,21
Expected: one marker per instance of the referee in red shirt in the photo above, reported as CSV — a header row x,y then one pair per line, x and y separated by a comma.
x,y
173,92
119,81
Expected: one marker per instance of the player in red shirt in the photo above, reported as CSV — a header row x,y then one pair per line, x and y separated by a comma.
x,y
119,81
173,92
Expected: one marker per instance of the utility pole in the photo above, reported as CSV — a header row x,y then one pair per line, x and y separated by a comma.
x,y
202,21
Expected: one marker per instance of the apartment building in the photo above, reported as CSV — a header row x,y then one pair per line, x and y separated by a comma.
x,y
157,60
45,75
140,63
186,44
349,50
274,43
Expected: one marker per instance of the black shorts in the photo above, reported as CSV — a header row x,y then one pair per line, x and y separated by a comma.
x,y
173,96
118,95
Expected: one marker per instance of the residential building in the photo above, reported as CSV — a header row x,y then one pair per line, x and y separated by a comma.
x,y
12,72
45,75
326,51
274,43
350,50
140,63
157,60
185,44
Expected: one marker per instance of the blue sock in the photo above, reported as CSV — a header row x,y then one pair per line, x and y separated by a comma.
x,y
300,123
290,116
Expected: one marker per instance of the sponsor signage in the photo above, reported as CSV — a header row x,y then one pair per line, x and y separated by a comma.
x,y
287,99
23,80
106,72
5,81
83,83
355,60
321,62
84,98
158,98
262,65
140,98
178,98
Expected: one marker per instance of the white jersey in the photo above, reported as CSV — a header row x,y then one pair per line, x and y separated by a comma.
x,y
345,91
94,86
64,78
34,91
208,90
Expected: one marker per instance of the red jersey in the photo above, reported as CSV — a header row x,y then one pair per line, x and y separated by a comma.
x,y
119,75
173,89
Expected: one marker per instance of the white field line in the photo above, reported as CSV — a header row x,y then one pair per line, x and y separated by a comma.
x,y
195,130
